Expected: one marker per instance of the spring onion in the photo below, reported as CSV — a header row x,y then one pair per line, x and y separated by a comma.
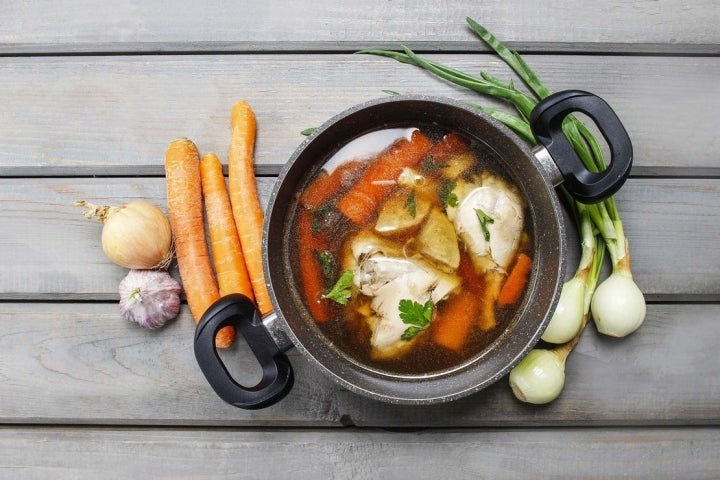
x,y
567,319
617,305
540,376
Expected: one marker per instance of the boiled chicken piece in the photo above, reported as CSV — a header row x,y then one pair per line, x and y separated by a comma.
x,y
489,219
492,242
386,276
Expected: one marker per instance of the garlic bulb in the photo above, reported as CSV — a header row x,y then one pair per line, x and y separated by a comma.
x,y
135,235
149,297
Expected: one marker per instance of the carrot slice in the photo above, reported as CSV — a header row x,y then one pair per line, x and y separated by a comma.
x,y
361,201
515,284
450,145
185,211
327,185
247,210
452,325
311,274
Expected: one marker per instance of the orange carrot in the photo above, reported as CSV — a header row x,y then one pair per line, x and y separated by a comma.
x,y
452,325
185,211
327,185
450,145
247,211
311,274
230,270
361,201
515,283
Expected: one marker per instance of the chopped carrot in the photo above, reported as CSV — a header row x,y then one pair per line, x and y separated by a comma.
x,y
517,279
361,201
450,145
247,211
453,323
185,211
327,185
230,270
311,274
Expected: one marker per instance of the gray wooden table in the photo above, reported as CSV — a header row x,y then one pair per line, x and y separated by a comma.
x,y
92,93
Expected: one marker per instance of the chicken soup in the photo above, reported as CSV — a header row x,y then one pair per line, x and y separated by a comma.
x,y
413,249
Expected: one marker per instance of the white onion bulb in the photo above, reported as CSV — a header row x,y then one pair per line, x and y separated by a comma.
x,y
567,320
618,306
539,377
136,235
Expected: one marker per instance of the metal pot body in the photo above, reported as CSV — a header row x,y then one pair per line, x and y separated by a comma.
x,y
535,173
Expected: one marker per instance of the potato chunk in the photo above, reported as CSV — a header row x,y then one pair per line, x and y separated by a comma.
x,y
437,239
401,213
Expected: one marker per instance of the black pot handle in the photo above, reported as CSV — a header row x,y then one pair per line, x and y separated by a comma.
x,y
546,122
277,378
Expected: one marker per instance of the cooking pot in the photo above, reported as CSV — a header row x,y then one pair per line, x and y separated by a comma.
x,y
535,172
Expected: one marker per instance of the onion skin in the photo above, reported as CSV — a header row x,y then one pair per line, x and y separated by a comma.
x,y
136,235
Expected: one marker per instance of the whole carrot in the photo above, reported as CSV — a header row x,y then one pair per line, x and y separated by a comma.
x,y
247,211
228,260
184,203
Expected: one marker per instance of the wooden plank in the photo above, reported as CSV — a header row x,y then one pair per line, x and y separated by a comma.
x,y
115,115
81,363
64,453
669,26
48,233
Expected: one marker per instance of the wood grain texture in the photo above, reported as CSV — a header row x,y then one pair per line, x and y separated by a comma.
x,y
651,454
81,363
45,233
130,25
115,115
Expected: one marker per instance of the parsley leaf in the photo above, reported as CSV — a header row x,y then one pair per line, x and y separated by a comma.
x,y
429,164
447,197
340,292
410,332
410,204
327,263
484,220
415,314
321,216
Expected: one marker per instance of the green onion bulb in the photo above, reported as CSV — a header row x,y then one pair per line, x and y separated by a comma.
x,y
567,320
539,377
618,305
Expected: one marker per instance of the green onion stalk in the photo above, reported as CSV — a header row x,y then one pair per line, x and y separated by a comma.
x,y
618,306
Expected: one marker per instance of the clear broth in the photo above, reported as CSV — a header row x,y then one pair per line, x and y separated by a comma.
x,y
346,328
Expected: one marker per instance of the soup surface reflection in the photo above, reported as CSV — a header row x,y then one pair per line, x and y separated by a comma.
x,y
413,249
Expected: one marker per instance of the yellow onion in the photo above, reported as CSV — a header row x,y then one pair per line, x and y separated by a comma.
x,y
135,235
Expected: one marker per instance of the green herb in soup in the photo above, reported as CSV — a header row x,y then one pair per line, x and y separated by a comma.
x,y
421,227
